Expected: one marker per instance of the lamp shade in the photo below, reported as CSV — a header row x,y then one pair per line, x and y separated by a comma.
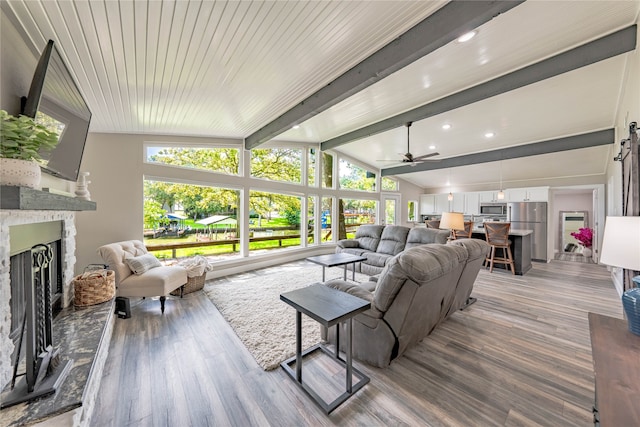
x,y
452,221
621,242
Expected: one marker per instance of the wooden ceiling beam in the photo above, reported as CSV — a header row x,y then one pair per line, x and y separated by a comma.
x,y
440,28
606,47
575,142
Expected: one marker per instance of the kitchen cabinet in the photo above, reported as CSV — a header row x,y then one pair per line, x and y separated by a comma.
x,y
459,203
472,204
427,204
490,197
442,203
434,204
530,194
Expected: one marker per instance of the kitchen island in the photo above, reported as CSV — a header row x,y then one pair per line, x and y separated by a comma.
x,y
520,248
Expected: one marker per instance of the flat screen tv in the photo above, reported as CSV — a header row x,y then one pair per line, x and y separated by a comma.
x,y
55,101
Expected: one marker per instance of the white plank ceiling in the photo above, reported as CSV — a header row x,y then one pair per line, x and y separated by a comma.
x,y
227,68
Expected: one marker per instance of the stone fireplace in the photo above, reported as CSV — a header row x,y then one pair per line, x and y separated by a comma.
x,y
28,218
9,219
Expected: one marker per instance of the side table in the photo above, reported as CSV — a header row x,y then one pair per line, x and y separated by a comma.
x,y
337,259
616,363
329,307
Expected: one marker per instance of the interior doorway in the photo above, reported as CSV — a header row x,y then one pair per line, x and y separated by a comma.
x,y
572,208
571,222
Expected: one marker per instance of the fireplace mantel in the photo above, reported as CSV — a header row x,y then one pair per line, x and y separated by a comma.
x,y
23,198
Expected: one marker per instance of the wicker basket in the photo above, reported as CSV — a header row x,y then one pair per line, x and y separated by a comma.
x,y
93,288
193,284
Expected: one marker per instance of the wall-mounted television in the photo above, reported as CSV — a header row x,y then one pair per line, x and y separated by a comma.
x,y
55,101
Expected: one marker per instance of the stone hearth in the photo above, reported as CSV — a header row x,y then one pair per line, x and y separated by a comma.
x,y
81,334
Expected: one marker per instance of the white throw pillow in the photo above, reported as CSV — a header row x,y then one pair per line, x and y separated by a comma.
x,y
143,263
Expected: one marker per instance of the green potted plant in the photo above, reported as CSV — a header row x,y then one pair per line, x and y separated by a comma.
x,y
21,142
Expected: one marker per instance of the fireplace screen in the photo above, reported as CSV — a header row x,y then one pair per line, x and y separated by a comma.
x,y
43,371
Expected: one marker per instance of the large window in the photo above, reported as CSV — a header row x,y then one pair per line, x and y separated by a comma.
x,y
354,177
274,221
312,165
389,184
327,170
201,219
205,218
326,219
311,215
222,160
356,212
277,164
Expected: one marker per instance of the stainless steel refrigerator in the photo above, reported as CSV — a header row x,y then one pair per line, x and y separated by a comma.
x,y
531,216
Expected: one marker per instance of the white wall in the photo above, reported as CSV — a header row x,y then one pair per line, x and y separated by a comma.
x,y
115,165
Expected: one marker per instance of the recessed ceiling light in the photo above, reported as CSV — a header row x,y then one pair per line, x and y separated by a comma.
x,y
489,135
296,127
466,37
446,126
432,147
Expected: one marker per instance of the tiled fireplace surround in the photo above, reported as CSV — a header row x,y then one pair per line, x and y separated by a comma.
x,y
80,415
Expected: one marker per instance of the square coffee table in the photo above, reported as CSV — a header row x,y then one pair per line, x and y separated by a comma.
x,y
334,260
329,307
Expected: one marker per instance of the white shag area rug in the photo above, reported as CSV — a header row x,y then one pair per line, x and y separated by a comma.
x,y
250,303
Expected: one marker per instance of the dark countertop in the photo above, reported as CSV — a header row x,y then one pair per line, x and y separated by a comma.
x,y
511,232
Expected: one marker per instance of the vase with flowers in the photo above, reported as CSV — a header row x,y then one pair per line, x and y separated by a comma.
x,y
585,237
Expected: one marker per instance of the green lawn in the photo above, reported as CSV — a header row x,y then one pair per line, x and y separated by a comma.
x,y
218,249
223,249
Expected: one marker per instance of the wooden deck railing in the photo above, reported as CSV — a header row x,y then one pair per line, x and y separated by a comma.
x,y
234,242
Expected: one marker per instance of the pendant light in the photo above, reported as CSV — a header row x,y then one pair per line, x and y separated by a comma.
x,y
501,192
450,196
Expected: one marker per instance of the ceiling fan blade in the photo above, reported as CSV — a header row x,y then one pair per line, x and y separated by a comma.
x,y
426,156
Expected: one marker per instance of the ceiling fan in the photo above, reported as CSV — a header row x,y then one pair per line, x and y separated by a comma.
x,y
410,158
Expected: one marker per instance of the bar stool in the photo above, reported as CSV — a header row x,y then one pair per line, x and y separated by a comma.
x,y
497,235
433,223
468,230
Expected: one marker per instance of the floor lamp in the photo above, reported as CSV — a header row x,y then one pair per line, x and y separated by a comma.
x,y
621,248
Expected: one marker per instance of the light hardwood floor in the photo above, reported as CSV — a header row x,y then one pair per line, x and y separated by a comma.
x,y
520,356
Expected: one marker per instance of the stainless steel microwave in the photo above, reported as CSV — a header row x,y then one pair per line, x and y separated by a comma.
x,y
493,208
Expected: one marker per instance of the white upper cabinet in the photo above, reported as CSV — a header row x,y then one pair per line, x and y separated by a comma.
x,y
530,194
442,203
427,204
459,203
472,203
490,197
434,204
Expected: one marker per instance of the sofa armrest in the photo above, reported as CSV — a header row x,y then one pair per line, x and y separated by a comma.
x,y
359,291
348,243
350,288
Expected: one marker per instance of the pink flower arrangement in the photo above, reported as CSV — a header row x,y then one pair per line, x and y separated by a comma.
x,y
584,236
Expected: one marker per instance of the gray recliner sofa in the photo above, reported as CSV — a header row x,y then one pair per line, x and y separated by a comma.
x,y
379,243
417,290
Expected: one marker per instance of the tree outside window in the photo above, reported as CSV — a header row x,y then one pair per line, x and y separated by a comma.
x,y
277,164
221,160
